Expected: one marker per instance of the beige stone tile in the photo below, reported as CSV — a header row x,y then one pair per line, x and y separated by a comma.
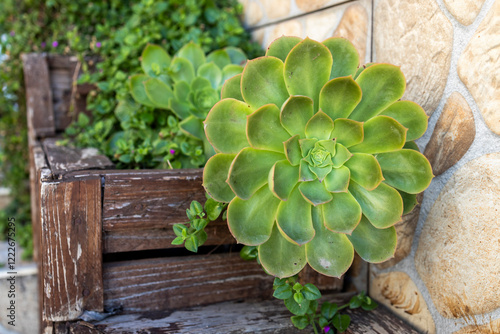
x,y
457,255
479,69
465,11
492,327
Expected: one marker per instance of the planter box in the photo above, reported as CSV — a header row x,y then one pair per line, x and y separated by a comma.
x,y
103,236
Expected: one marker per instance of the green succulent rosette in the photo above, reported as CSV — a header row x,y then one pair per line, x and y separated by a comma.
x,y
188,84
314,163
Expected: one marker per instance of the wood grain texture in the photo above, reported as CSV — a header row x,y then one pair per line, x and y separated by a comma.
x,y
39,108
150,199
63,159
71,248
170,283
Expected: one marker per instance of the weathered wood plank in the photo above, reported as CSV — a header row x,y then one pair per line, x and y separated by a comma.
x,y
71,248
238,317
150,199
39,107
63,159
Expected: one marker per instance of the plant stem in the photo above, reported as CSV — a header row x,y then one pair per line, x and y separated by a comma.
x,y
311,318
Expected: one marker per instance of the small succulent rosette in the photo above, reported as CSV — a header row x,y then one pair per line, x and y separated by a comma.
x,y
315,156
188,84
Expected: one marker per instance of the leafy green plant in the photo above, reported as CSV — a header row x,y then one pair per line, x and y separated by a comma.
x,y
316,157
188,84
302,301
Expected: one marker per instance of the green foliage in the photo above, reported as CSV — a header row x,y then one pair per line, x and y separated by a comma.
x,y
312,161
192,234
302,301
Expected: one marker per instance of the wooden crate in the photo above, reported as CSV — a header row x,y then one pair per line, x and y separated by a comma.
x,y
103,236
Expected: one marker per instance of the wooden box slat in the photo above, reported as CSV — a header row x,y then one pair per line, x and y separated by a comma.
x,y
72,249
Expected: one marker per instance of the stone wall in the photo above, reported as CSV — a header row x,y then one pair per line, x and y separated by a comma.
x,y
445,276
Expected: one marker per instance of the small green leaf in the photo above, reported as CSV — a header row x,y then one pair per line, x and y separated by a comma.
x,y
194,53
409,201
228,136
368,304
341,322
300,321
281,47
292,150
323,322
196,207
381,134
295,114
320,126
297,287
282,179
213,208
251,221
294,218
138,90
232,88
311,292
382,85
345,57
279,282
295,308
382,206
178,228
262,82
154,60
298,297
178,241
215,175
264,130
307,69
314,192
249,253
181,69
347,132
220,58
355,302
329,253
339,97
410,115
337,180
250,170
342,214
212,73
365,170
282,258
283,292
192,244
201,237
372,244
406,170
328,310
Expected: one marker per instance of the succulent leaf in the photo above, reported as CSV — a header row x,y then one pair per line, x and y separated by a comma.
x,y
381,134
251,221
372,244
410,115
158,92
295,113
342,214
382,206
181,109
264,129
305,174
219,58
215,175
365,170
181,90
315,192
154,60
283,178
193,126
321,172
138,91
226,124
339,97
262,82
250,170
382,85
347,132
237,56
281,47
342,154
294,218
212,73
320,126
411,145
345,57
328,253
409,201
230,71
194,53
181,69
337,180
280,257
232,88
307,69
406,170
292,150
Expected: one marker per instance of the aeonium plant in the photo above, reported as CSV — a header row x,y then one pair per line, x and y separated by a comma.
x,y
187,84
315,157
